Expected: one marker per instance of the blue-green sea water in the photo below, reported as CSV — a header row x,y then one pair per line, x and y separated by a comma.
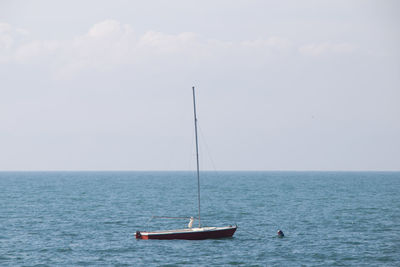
x,y
90,218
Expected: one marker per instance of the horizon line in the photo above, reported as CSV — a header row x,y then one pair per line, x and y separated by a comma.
x,y
277,170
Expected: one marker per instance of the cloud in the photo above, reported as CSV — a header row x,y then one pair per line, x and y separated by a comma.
x,y
168,42
272,42
326,48
106,28
35,50
5,27
11,39
6,41
109,44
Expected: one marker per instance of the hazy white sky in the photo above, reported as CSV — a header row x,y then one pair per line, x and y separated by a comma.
x,y
282,85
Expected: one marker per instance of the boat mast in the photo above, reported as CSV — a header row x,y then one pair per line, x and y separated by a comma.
x,y
197,153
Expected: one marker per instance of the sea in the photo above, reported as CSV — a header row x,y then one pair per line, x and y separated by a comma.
x,y
90,218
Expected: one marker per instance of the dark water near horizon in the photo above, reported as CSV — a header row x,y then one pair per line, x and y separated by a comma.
x,y
89,218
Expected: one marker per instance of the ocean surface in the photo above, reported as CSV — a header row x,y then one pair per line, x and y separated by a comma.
x,y
90,218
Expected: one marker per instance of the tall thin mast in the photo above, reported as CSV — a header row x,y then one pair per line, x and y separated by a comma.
x,y
197,153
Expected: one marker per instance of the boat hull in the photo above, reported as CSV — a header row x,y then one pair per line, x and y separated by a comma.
x,y
190,234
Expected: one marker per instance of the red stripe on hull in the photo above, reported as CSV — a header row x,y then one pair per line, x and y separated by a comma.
x,y
192,235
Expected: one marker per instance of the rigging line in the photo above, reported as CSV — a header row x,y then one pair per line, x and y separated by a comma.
x,y
169,217
147,223
191,162
251,233
208,151
166,217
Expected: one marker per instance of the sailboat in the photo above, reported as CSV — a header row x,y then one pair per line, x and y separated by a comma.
x,y
191,233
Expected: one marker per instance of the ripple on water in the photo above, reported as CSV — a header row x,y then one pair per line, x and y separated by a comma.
x,y
89,218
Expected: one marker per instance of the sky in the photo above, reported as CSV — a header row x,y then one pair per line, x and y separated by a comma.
x,y
281,85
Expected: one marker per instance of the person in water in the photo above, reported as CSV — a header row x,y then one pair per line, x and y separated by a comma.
x,y
280,233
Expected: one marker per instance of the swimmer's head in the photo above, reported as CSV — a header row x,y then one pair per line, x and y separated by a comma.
x,y
280,233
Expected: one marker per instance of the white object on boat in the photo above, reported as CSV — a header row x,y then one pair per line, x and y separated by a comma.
x,y
191,222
